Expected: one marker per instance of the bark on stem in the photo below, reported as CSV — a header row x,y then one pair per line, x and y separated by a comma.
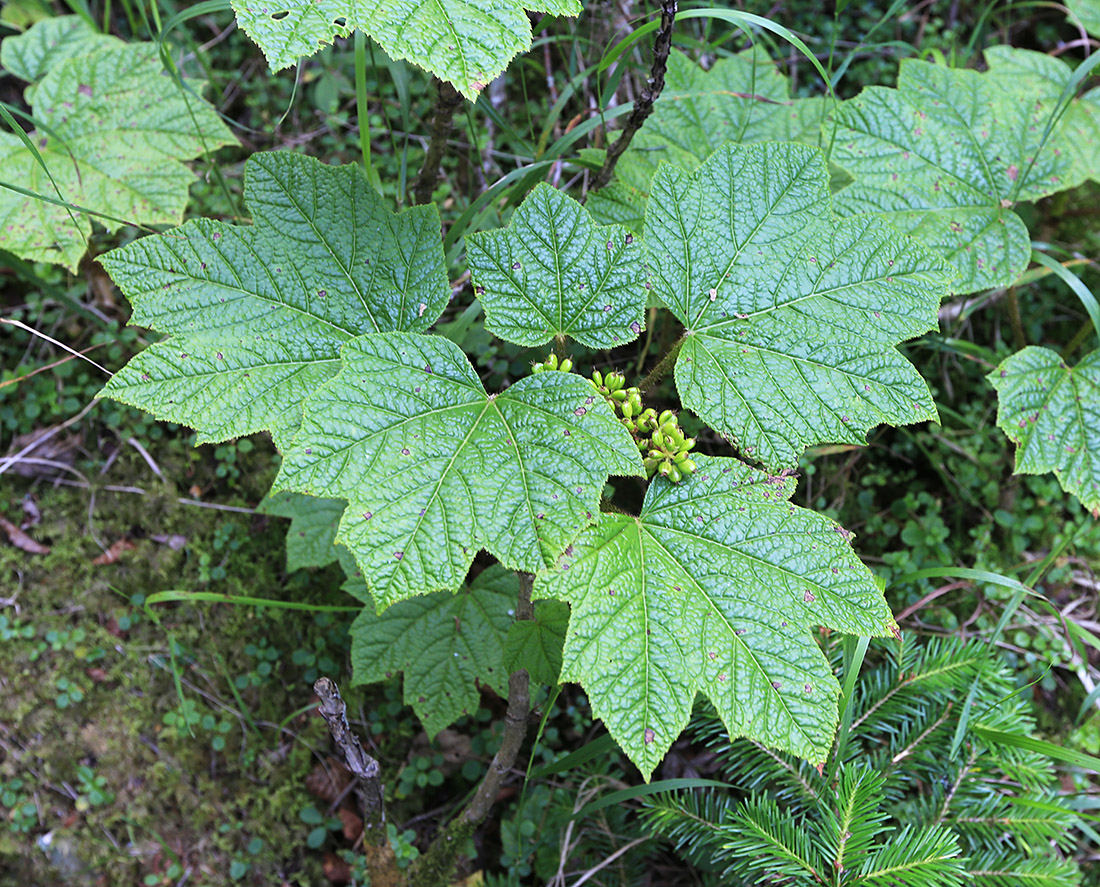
x,y
447,102
435,867
643,107
365,769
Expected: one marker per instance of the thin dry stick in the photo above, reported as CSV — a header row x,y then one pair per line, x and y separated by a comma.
x,y
365,769
643,107
447,102
434,868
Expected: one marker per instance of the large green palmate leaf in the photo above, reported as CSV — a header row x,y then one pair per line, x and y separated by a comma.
x,y
553,273
311,539
467,42
743,98
536,644
713,588
113,131
256,314
946,156
1052,412
446,644
1037,74
434,469
791,314
31,55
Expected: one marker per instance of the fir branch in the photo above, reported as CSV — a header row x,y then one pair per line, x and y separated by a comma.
x,y
762,839
926,857
949,796
924,734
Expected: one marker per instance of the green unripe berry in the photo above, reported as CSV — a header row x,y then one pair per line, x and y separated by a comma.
x,y
674,474
537,367
687,444
679,457
687,467
566,366
628,409
664,469
552,361
658,440
657,454
650,466
597,378
665,417
619,395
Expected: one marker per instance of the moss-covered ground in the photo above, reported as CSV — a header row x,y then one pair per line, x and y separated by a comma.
x,y
160,746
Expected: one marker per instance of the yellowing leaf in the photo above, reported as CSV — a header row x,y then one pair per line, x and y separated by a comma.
x,y
114,130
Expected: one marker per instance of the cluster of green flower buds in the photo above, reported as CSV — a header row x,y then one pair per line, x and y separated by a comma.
x,y
627,401
666,449
660,438
552,363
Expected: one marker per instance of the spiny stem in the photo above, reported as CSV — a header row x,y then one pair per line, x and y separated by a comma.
x,y
643,107
434,869
663,366
447,102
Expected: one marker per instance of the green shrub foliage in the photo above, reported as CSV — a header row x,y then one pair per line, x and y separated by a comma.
x,y
315,324
895,807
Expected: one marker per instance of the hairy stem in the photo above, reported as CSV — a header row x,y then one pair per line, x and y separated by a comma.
x,y
663,366
435,867
447,103
1079,337
643,107
1013,305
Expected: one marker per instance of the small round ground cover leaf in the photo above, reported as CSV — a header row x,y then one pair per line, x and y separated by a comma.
x,y
445,643
792,314
1052,412
114,132
945,156
30,55
743,98
467,42
311,539
554,273
434,469
714,589
256,314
